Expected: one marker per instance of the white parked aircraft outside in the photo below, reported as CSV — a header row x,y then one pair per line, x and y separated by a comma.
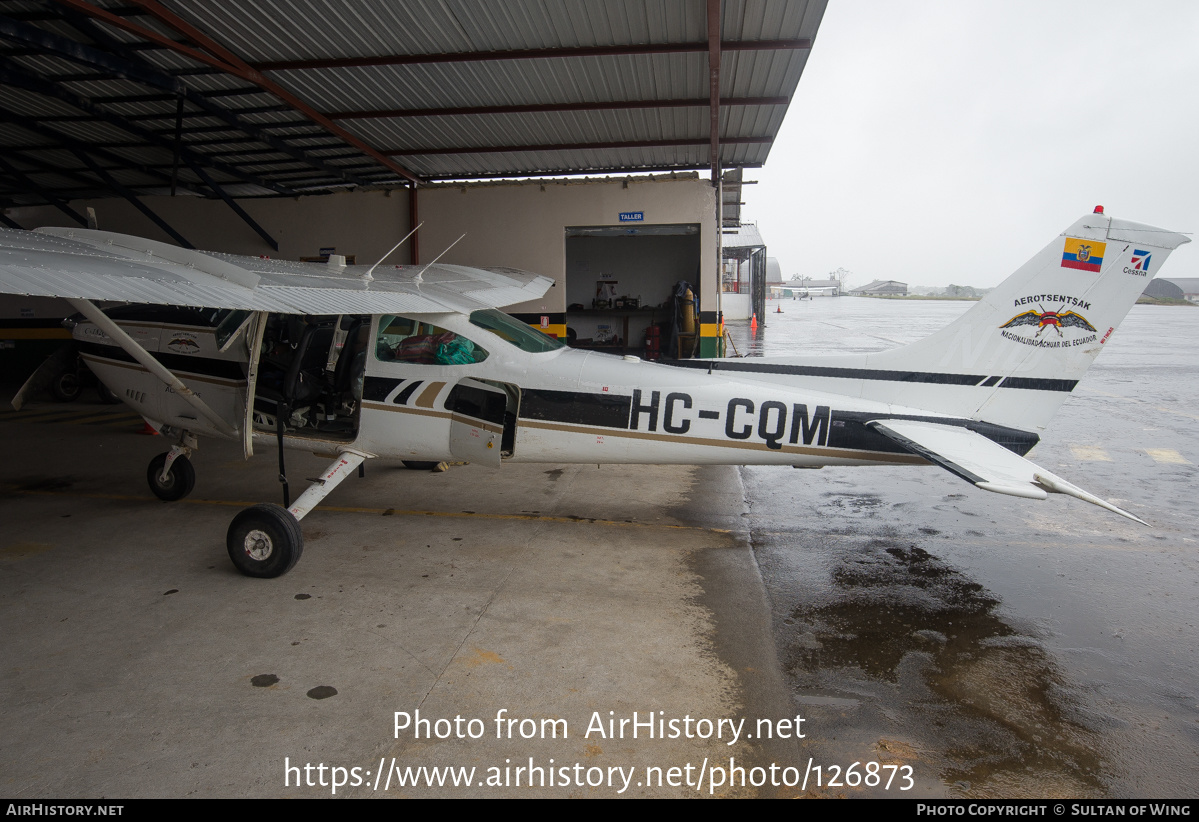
x,y
417,363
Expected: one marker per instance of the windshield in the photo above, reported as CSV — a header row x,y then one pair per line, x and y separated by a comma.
x,y
512,330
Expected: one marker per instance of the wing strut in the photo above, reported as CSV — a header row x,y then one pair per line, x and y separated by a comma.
x,y
89,309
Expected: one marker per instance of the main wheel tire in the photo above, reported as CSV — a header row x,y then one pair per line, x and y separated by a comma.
x,y
265,541
180,481
419,466
66,387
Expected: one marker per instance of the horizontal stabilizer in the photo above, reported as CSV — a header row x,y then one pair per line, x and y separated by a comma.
x,y
982,462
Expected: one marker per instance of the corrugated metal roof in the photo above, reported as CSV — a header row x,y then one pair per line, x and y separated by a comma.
x,y
433,90
745,235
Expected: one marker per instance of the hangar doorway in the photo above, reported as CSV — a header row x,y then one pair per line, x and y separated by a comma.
x,y
621,281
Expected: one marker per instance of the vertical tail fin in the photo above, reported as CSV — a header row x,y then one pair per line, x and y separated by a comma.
x,y
1032,338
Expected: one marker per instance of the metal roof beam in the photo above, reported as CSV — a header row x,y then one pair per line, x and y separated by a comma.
x,y
703,141
133,67
714,86
237,209
259,151
532,54
553,107
65,141
27,183
217,56
162,98
88,183
111,183
23,79
285,149
574,172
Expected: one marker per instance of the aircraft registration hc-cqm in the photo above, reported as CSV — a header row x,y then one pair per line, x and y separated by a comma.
x,y
417,363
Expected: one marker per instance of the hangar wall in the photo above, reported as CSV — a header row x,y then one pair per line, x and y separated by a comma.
x,y
520,224
365,223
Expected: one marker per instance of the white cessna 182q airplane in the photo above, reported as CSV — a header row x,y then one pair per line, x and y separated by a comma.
x,y
418,364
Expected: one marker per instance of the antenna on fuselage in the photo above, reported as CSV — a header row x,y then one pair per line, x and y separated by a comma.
x,y
418,278
367,275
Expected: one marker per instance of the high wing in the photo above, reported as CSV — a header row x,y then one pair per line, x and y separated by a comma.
x,y
100,265
983,462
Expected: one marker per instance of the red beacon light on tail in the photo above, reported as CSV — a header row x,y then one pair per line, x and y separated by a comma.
x,y
1098,209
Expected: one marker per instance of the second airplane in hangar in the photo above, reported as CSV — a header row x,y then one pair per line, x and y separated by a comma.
x,y
418,364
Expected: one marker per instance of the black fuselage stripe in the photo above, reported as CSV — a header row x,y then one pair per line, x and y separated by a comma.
x,y
576,407
189,363
846,430
877,375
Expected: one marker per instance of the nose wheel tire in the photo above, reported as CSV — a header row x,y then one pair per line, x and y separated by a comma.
x,y
265,541
179,482
66,387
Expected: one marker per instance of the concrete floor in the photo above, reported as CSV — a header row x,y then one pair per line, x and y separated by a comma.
x,y
998,647
138,663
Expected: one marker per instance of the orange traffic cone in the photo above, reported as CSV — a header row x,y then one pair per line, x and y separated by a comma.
x,y
753,323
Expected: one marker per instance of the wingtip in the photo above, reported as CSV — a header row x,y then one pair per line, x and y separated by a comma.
x,y
1054,483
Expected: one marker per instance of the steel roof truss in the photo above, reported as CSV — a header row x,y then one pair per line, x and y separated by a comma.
x,y
113,185
134,67
32,187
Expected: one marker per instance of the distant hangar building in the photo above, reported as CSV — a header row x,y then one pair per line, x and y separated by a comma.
x,y
1174,288
881,288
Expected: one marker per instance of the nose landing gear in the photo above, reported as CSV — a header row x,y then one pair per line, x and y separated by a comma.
x,y
171,476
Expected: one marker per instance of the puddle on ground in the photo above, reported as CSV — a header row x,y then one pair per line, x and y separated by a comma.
x,y
983,703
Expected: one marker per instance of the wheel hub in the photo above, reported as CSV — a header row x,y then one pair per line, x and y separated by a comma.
x,y
258,545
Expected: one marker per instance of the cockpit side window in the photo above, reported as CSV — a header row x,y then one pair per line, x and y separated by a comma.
x,y
515,332
402,339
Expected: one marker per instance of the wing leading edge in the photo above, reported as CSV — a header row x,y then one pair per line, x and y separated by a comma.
x,y
100,265
984,463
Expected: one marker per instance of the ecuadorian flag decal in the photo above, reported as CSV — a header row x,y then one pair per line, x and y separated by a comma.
x,y
1085,255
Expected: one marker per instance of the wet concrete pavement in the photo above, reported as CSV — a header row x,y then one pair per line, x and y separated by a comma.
x,y
136,662
994,646
1002,647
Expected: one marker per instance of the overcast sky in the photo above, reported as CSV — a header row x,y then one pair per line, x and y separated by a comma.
x,y
938,142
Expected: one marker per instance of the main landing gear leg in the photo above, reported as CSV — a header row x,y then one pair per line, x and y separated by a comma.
x,y
171,476
266,541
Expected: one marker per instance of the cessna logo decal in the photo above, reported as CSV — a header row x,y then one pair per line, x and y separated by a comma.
x,y
1057,320
1140,263
772,421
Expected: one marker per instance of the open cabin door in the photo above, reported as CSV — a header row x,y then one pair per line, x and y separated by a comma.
x,y
478,412
254,344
